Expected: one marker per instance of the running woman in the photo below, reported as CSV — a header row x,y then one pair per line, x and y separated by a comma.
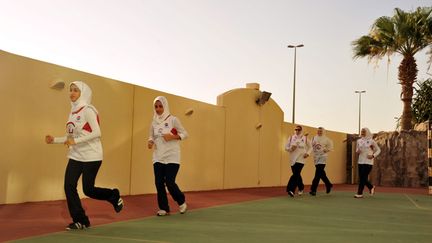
x,y
299,148
165,133
367,149
85,156
321,146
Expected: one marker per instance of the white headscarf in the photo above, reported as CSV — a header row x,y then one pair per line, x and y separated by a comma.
x,y
368,133
85,97
158,119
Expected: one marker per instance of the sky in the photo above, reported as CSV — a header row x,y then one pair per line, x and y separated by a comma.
x,y
200,49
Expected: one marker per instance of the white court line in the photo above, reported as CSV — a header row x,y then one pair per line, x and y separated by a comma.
x,y
117,238
415,204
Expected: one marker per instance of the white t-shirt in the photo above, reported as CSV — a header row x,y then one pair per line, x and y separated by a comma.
x,y
83,127
163,151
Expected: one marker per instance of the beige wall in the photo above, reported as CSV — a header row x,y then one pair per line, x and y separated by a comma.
x,y
31,170
225,148
252,140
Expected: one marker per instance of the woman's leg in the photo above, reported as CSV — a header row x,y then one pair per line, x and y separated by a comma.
x,y
299,167
316,178
362,178
90,170
72,174
160,175
368,169
176,193
292,182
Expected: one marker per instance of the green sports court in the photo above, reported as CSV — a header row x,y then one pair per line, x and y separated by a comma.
x,y
399,216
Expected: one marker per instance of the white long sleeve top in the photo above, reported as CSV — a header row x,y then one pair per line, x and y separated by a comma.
x,y
321,145
167,151
302,147
83,127
365,147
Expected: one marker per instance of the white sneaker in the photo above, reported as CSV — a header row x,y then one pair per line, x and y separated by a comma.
x,y
372,191
162,213
183,208
300,192
358,196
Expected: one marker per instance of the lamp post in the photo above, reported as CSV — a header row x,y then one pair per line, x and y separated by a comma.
x,y
294,82
359,92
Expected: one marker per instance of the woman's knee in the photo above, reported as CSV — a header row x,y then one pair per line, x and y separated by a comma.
x,y
88,191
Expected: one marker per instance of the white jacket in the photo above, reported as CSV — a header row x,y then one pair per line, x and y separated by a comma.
x,y
365,147
302,146
321,145
163,151
83,127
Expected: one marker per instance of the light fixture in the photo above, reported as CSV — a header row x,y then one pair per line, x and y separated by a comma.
x,y
57,85
263,98
189,112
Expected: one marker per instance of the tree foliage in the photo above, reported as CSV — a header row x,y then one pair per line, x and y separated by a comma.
x,y
422,101
404,33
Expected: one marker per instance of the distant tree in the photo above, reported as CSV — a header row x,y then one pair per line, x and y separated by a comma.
x,y
422,101
405,33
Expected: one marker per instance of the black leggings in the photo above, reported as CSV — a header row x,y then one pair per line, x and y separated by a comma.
x,y
296,180
165,175
364,170
88,170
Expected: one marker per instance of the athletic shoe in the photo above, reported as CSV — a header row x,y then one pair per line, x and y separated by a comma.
x,y
77,226
372,191
358,196
117,202
328,189
183,208
162,213
312,193
300,192
291,194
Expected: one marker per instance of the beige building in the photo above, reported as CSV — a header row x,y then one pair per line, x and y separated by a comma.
x,y
234,144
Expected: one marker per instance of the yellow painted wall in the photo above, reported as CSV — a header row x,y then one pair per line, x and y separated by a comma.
x,y
225,148
31,170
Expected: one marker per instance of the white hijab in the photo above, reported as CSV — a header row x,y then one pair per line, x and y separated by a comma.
x,y
368,133
158,119
85,97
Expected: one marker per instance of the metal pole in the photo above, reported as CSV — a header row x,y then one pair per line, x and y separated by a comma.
x,y
294,82
360,92
294,85
359,113
429,132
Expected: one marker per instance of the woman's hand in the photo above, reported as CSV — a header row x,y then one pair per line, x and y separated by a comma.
x,y
370,156
293,147
49,139
69,142
305,156
150,144
169,137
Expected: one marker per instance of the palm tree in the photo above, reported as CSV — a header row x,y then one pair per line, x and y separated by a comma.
x,y
405,33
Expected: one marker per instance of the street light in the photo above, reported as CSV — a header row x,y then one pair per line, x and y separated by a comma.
x,y
294,83
359,92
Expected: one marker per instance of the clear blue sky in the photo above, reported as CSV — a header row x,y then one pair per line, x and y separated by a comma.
x,y
202,48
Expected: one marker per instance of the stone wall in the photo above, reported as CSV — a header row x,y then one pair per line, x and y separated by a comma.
x,y
403,159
